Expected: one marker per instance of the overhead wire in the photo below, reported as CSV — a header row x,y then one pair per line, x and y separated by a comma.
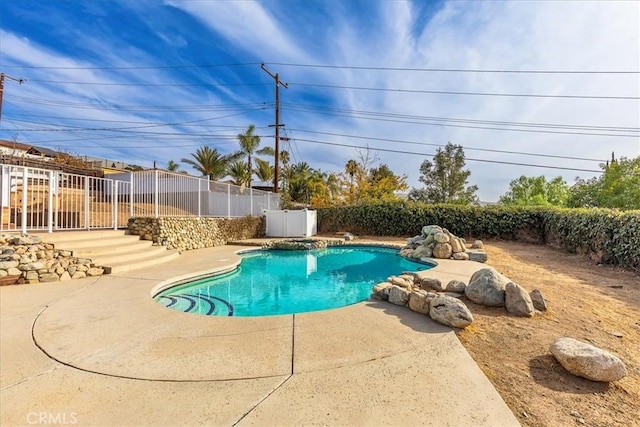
x,y
400,141
389,150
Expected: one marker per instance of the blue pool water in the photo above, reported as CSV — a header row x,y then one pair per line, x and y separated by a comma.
x,y
284,282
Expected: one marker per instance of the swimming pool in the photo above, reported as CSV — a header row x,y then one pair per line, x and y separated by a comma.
x,y
272,282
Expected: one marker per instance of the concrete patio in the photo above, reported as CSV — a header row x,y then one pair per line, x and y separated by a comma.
x,y
100,351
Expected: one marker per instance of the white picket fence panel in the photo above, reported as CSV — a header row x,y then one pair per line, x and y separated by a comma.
x,y
40,199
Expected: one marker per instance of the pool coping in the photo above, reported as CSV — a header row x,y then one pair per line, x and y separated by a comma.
x,y
61,340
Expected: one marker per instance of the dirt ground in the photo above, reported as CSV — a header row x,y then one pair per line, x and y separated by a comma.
x,y
599,304
595,303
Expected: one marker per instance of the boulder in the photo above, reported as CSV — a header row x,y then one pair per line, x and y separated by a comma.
x,y
477,256
65,276
441,237
477,244
5,265
422,252
455,286
442,251
430,229
428,283
588,361
539,303
26,240
381,290
461,256
79,275
450,311
517,301
416,239
14,272
419,302
49,277
406,252
398,295
486,287
400,281
456,245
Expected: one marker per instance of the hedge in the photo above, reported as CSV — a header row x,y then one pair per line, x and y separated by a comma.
x,y
606,236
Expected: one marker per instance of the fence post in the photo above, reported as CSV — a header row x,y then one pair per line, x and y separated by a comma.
x,y
199,197
250,201
155,193
114,203
228,201
50,201
25,178
86,202
131,195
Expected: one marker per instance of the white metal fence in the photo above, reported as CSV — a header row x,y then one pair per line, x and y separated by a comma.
x,y
39,199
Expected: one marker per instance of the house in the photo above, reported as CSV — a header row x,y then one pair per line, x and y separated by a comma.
x,y
17,149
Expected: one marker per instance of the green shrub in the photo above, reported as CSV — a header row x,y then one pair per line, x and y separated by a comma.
x,y
604,235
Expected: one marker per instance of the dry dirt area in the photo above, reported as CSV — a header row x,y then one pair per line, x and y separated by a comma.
x,y
595,303
599,304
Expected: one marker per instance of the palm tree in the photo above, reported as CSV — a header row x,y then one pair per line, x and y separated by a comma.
x,y
249,143
238,172
264,171
172,166
208,161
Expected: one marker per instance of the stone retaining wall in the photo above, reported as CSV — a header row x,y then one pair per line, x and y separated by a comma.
x,y
186,234
26,259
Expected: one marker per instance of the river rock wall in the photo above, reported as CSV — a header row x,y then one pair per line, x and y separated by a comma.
x,y
186,234
26,259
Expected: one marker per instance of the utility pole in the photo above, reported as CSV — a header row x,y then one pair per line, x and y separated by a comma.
x,y
2,77
277,125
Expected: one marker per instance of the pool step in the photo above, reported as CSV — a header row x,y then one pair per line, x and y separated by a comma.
x,y
114,250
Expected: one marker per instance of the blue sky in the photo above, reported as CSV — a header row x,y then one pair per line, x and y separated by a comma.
x,y
150,80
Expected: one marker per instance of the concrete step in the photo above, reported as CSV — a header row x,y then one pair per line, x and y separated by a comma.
x,y
149,261
59,237
114,250
120,256
107,247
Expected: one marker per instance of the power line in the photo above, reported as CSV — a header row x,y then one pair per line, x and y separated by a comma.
x,y
431,155
464,120
142,67
326,66
451,70
418,121
447,92
440,145
150,84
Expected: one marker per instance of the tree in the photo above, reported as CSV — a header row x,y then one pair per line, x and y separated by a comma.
x,y
239,173
617,187
264,171
172,166
536,191
209,162
445,179
249,143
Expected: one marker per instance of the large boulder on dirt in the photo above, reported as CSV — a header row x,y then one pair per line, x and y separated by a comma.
x,y
477,256
477,244
539,303
486,287
517,301
588,361
450,311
